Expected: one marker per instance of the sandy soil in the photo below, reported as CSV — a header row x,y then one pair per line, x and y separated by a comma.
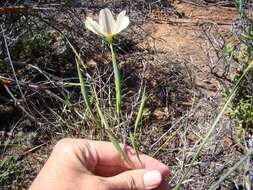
x,y
186,40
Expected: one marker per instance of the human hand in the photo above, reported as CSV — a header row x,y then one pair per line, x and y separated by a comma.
x,y
79,164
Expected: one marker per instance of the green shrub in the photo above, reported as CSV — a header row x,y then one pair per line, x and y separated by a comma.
x,y
241,110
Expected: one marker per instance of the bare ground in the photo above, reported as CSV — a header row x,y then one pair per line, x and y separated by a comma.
x,y
192,42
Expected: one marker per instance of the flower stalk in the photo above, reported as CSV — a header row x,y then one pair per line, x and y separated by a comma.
x,y
107,27
117,80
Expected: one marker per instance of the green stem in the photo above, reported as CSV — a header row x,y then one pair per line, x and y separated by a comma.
x,y
117,80
211,129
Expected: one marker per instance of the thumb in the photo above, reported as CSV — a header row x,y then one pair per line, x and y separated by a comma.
x,y
141,179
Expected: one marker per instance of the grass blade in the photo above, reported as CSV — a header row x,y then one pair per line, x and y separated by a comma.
x,y
140,112
117,146
112,137
134,145
84,90
137,123
212,127
231,170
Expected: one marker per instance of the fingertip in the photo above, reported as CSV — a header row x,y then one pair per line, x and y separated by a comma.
x,y
154,164
165,171
152,179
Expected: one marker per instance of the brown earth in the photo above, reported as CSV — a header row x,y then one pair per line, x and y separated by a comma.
x,y
186,39
194,41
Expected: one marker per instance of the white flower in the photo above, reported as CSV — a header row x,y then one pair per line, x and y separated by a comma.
x,y
107,26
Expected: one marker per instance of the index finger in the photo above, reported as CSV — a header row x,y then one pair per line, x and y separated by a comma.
x,y
107,161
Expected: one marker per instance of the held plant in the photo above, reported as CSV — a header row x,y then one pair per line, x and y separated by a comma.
x,y
106,28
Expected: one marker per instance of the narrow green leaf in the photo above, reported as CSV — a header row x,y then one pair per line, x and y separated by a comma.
x,y
84,90
69,84
137,123
140,112
71,46
134,145
100,113
112,137
117,146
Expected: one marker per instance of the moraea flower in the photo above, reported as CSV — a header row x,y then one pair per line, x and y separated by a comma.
x,y
107,26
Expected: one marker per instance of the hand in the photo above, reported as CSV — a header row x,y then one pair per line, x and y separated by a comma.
x,y
78,164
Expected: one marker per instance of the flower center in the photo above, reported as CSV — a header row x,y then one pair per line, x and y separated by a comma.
x,y
109,37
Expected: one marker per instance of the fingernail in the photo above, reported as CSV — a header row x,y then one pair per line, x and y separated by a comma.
x,y
152,179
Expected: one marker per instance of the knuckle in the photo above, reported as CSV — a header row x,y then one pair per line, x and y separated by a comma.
x,y
99,183
64,146
64,143
69,148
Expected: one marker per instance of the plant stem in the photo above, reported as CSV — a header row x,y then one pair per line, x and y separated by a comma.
x,y
211,129
117,80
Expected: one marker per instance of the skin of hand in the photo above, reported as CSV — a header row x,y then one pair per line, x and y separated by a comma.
x,y
79,164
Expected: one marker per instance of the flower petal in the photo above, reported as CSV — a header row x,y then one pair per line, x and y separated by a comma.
x,y
121,23
106,21
93,26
